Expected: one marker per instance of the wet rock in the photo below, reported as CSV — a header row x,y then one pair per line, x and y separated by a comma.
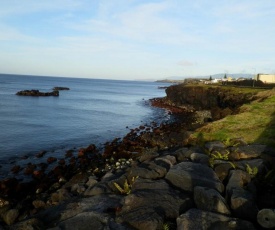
x,y
16,169
51,159
29,169
38,174
187,175
210,200
40,154
195,219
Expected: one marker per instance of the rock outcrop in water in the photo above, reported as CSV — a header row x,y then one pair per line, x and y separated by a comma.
x,y
60,88
37,93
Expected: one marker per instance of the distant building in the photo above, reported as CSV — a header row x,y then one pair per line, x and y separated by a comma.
x,y
266,78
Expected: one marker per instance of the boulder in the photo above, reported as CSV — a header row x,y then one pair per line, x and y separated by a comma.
x,y
60,214
246,152
195,219
88,221
210,200
222,170
166,161
187,175
237,180
10,216
210,146
146,170
243,204
200,158
242,201
182,154
150,203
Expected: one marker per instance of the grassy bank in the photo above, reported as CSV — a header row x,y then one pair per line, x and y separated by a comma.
x,y
255,123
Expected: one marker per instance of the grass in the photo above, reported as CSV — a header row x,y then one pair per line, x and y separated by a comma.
x,y
255,123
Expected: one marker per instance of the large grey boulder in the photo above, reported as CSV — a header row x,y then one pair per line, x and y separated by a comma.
x,y
246,152
187,175
222,170
88,221
214,145
64,212
237,179
200,158
147,170
242,201
195,219
243,204
210,200
183,154
150,203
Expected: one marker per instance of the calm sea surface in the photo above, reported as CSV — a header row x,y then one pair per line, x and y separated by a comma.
x,y
92,111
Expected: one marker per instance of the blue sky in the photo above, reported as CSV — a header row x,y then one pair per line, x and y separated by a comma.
x,y
136,39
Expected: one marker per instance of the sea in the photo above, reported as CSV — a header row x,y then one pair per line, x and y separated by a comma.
x,y
93,111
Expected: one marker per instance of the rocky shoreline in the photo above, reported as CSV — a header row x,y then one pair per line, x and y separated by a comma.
x,y
153,178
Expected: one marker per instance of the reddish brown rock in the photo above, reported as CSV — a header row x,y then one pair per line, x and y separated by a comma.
x,y
16,169
51,159
40,154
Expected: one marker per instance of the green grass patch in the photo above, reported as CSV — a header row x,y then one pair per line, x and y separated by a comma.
x,y
255,123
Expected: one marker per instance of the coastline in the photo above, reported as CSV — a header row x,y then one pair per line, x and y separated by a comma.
x,y
167,144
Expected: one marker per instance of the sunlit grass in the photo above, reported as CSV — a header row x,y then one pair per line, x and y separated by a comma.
x,y
255,123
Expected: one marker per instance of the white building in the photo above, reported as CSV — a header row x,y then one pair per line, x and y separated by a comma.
x,y
266,78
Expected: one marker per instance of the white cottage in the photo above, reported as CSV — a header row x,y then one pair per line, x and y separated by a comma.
x,y
266,78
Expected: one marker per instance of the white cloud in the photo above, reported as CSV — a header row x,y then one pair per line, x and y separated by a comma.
x,y
186,63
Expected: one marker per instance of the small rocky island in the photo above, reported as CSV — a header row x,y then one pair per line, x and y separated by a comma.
x,y
60,88
36,93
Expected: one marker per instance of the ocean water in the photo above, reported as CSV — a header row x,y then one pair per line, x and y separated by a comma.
x,y
92,111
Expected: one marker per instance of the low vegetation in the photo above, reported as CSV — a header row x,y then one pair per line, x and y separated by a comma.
x,y
255,123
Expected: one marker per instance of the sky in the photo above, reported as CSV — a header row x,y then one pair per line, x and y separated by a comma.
x,y
136,39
